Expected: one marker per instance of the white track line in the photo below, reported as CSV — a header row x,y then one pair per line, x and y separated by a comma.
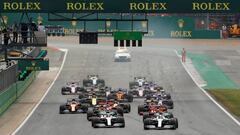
x,y
49,88
206,93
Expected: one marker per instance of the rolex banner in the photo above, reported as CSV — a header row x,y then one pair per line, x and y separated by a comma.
x,y
121,6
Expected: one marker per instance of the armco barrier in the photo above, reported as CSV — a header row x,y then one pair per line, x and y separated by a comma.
x,y
8,96
23,85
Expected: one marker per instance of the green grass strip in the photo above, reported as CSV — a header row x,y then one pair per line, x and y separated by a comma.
x,y
230,98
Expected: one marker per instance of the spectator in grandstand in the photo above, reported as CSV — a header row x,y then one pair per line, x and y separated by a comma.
x,y
6,35
33,27
24,32
15,29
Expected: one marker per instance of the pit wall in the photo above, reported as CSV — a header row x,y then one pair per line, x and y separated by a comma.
x,y
10,95
11,88
159,26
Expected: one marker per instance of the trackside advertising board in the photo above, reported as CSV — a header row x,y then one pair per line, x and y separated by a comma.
x,y
120,6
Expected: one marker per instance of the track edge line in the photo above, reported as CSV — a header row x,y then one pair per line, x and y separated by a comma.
x,y
45,94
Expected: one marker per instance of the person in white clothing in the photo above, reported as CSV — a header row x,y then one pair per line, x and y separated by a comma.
x,y
41,27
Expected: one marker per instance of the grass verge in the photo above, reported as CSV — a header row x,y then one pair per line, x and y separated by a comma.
x,y
230,98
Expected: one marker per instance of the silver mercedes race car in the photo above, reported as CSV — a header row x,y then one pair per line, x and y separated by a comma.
x,y
160,121
108,119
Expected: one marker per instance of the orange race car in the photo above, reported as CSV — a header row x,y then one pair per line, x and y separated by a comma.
x,y
121,95
73,106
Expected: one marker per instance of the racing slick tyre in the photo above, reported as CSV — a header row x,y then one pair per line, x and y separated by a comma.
x,y
121,120
81,96
132,84
145,116
79,89
123,125
168,103
94,122
130,98
141,109
146,122
62,109
128,108
90,114
84,107
87,82
120,111
168,96
63,91
175,123
101,82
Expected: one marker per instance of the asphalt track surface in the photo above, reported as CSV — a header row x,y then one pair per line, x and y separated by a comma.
x,y
196,113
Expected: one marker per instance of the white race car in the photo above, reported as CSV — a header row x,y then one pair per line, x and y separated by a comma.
x,y
122,55
93,80
72,88
108,119
160,121
138,81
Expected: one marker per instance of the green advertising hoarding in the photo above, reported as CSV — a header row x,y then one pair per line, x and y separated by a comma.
x,y
33,65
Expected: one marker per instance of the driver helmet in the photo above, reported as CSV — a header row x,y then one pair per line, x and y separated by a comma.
x,y
120,89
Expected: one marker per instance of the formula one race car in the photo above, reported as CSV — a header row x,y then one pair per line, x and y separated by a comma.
x,y
92,101
161,99
92,112
96,88
110,104
73,106
121,95
98,92
160,121
94,93
122,55
115,104
72,88
108,119
151,86
93,80
139,91
151,109
138,81
160,92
